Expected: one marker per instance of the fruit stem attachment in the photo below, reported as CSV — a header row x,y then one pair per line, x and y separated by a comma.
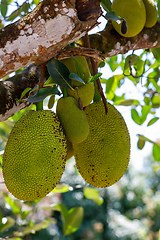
x,y
42,75
39,105
65,93
80,104
95,71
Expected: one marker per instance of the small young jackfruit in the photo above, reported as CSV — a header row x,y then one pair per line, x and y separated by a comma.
x,y
85,92
73,120
134,13
35,155
103,157
71,65
151,13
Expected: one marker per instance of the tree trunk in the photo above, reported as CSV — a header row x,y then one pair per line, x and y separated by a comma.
x,y
41,34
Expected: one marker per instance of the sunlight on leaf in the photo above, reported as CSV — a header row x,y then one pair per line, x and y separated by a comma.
x,y
73,220
92,193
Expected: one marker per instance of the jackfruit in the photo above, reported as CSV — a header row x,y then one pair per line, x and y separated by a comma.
x,y
151,13
102,159
85,92
71,65
134,12
69,150
73,120
35,155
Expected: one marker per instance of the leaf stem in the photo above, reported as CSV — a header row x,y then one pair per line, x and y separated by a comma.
x,y
39,105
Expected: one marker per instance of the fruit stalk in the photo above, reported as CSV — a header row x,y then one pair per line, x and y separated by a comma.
x,y
95,71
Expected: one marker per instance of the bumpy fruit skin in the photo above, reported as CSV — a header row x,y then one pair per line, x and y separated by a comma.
x,y
103,157
134,13
73,120
151,13
35,155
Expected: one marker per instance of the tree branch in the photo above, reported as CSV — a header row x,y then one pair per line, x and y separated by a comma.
x,y
11,89
41,34
110,43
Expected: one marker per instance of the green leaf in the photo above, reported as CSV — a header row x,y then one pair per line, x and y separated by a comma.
x,y
14,14
155,167
35,227
94,78
74,76
152,121
24,92
101,64
4,8
58,207
73,220
156,53
9,223
159,230
111,85
59,73
113,16
127,102
140,144
61,188
143,138
106,4
36,2
145,112
51,101
14,204
49,82
79,68
131,59
156,152
25,7
135,116
92,193
43,93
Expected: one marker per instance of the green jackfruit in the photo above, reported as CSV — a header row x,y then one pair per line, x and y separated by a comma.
x,y
151,13
69,150
35,155
73,120
103,157
71,65
134,12
85,92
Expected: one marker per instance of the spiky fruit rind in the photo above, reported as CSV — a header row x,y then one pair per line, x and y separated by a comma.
x,y
35,155
102,159
73,120
151,13
85,92
134,13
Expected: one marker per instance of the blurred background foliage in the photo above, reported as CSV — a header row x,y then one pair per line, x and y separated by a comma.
x,y
128,210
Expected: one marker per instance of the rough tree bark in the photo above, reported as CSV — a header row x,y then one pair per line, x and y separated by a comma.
x,y
42,34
